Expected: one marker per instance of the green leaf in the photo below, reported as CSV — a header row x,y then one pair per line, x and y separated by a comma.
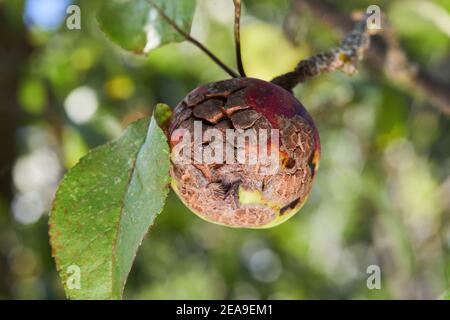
x,y
136,26
104,207
181,12
162,113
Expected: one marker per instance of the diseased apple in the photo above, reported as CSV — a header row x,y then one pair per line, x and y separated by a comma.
x,y
243,193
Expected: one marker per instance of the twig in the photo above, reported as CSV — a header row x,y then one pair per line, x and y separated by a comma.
x,y
192,40
385,54
344,57
237,36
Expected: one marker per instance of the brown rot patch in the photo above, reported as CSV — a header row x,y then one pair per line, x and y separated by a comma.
x,y
290,206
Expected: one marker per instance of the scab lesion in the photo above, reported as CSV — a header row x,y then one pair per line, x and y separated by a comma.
x,y
290,163
289,206
209,110
312,164
298,143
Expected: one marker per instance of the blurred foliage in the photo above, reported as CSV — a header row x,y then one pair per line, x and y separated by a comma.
x,y
137,27
381,196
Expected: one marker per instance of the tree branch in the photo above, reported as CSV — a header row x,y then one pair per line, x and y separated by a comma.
x,y
344,57
192,40
237,36
386,54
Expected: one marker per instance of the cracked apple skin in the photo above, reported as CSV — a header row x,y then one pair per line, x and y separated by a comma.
x,y
239,195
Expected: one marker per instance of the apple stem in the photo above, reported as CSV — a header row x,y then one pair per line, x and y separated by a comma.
x,y
237,36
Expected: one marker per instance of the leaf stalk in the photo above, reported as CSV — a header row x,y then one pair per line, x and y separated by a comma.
x,y
192,40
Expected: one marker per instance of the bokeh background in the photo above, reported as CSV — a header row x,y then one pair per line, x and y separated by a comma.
x,y
382,195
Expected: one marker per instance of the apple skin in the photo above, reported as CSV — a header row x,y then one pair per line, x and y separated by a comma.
x,y
238,194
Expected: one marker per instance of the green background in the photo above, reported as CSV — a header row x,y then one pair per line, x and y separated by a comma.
x,y
382,195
